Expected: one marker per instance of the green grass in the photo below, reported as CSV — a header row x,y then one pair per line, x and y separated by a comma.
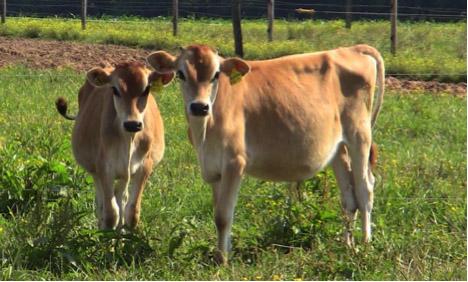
x,y
48,230
432,48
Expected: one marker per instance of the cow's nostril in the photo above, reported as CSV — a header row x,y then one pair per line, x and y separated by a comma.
x,y
199,109
133,126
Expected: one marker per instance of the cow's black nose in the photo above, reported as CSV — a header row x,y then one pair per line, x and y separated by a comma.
x,y
133,126
199,109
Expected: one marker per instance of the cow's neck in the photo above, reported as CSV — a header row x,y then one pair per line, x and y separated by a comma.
x,y
125,139
198,128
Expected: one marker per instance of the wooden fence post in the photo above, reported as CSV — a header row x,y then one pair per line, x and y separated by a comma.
x,y
175,16
236,25
348,13
393,35
271,18
3,11
84,7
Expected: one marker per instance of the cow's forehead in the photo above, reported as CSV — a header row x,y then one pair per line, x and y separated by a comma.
x,y
201,61
133,76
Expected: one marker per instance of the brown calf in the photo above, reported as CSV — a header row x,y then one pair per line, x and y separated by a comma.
x,y
118,137
283,120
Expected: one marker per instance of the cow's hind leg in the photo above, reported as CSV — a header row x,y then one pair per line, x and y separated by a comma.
x,y
137,185
295,191
342,169
225,197
359,149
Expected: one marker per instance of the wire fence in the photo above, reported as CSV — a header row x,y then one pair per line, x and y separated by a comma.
x,y
254,8
218,10
71,76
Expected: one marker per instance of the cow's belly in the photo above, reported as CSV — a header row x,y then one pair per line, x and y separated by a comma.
x,y
292,155
290,165
85,152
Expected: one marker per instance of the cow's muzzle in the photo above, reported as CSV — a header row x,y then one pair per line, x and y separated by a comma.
x,y
199,109
133,126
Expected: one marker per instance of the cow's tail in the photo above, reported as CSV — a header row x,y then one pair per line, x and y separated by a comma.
x,y
62,107
371,51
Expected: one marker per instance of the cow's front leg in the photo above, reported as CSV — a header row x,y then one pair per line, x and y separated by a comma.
x,y
137,185
121,196
225,197
106,202
98,201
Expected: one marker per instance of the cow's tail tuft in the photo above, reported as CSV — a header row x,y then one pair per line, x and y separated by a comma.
x,y
373,155
62,107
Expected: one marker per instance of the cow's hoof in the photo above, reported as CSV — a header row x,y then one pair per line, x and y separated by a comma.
x,y
220,258
349,239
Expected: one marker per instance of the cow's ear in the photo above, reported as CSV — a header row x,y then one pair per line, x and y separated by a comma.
x,y
235,68
98,77
162,61
159,80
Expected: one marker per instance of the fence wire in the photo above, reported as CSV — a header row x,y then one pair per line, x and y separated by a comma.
x,y
387,75
210,12
218,10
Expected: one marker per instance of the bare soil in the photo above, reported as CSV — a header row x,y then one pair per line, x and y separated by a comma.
x,y
47,54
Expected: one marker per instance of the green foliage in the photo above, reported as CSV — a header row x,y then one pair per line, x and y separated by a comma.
x,y
48,228
424,48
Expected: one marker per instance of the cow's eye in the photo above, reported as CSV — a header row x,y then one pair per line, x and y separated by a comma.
x,y
215,77
147,90
116,91
180,75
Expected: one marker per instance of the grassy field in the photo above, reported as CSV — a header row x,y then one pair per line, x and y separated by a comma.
x,y
47,227
423,47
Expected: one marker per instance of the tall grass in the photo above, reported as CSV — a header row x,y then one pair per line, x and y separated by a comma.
x,y
47,225
426,50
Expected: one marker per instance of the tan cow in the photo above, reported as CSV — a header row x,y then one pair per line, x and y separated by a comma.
x,y
283,120
118,137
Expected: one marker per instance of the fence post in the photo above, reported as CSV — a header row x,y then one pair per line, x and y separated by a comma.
x,y
3,11
175,16
393,35
348,13
84,7
271,17
236,25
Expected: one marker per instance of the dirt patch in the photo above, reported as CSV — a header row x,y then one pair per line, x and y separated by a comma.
x,y
402,85
43,54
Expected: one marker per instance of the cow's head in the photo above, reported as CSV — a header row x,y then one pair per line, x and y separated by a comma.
x,y
131,83
199,69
